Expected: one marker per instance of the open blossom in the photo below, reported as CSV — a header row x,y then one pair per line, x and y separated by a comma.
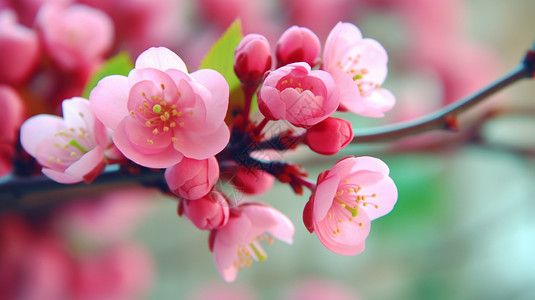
x,y
354,192
359,67
160,113
237,244
192,179
298,95
69,149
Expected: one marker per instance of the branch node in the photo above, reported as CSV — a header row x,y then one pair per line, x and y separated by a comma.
x,y
451,122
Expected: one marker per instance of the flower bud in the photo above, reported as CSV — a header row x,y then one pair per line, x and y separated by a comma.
x,y
252,58
329,136
298,44
207,213
192,179
252,181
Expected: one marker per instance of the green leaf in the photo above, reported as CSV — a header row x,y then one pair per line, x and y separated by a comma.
x,y
120,64
221,55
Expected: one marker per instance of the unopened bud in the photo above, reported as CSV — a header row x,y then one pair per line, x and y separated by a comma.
x,y
207,213
329,136
192,179
298,44
252,58
252,181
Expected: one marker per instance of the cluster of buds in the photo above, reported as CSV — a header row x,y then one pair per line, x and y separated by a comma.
x,y
161,116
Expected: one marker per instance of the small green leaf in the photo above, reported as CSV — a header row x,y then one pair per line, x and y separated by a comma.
x,y
221,55
120,64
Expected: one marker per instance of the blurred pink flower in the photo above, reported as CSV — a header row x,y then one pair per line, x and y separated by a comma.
x,y
207,213
359,67
237,244
319,15
69,149
319,289
11,117
160,113
105,218
123,271
19,49
298,95
157,22
252,181
354,192
329,136
298,44
192,179
76,37
252,58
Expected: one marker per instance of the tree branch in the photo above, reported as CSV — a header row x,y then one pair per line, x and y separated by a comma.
x,y
445,118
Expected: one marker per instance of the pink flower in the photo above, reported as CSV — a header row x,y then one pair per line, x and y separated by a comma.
x,y
329,136
354,192
252,58
69,149
19,49
76,37
359,67
237,244
11,117
192,179
298,44
160,113
299,95
207,213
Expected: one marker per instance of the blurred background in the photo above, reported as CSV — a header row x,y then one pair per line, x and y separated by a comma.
x,y
462,227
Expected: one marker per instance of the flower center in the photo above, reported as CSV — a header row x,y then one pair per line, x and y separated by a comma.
x,y
348,199
350,66
252,251
161,116
73,143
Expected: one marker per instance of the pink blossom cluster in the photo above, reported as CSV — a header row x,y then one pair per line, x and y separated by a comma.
x,y
163,117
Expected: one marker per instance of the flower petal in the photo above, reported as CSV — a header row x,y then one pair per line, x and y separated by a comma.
x,y
160,58
224,256
164,158
37,128
324,195
108,100
219,89
350,238
197,146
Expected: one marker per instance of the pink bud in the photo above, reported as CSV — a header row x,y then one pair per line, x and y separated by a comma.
x,y
192,179
252,58
329,136
252,181
207,213
298,44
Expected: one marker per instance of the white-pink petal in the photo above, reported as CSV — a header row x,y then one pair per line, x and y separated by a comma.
x,y
108,100
160,58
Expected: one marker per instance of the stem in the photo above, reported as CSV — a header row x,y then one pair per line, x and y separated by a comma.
x,y
38,192
444,118
248,92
